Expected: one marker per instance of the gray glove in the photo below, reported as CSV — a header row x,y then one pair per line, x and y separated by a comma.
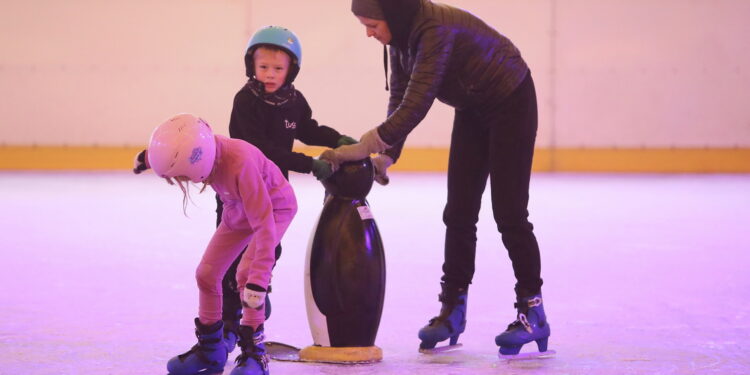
x,y
321,169
370,143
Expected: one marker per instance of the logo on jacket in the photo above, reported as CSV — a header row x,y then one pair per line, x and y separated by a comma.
x,y
290,125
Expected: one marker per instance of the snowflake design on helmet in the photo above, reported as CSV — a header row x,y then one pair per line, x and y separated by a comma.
x,y
196,155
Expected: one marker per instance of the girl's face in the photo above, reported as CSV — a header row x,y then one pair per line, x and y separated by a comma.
x,y
271,68
377,29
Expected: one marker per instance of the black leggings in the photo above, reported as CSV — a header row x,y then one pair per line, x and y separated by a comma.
x,y
500,144
231,307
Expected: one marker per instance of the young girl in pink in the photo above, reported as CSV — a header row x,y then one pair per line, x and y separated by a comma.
x,y
259,205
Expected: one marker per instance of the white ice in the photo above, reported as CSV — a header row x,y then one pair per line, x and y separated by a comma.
x,y
644,274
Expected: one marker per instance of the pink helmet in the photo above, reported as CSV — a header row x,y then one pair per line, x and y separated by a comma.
x,y
182,146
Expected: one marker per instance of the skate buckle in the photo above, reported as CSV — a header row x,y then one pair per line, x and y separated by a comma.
x,y
263,360
259,338
534,302
525,322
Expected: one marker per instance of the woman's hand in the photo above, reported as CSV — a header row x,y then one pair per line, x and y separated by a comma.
x,y
370,143
381,162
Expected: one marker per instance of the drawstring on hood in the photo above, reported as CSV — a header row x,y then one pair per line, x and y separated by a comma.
x,y
398,14
385,65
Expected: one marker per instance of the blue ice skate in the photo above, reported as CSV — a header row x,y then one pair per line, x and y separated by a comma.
x,y
253,360
449,324
231,334
208,356
530,325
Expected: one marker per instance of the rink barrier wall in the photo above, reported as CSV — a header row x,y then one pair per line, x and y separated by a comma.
x,y
605,160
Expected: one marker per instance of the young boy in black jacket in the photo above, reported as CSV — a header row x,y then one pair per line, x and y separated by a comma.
x,y
270,113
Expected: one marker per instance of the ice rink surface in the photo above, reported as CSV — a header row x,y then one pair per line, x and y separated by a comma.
x,y
644,274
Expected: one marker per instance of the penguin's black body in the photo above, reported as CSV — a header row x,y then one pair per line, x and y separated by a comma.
x,y
345,283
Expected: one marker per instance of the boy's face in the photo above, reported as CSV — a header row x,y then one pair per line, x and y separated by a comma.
x,y
271,68
377,29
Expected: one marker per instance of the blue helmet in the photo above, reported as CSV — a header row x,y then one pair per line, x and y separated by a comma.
x,y
280,37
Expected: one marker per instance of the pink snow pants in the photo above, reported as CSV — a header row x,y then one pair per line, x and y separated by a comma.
x,y
224,247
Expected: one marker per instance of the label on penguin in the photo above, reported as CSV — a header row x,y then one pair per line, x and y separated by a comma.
x,y
364,212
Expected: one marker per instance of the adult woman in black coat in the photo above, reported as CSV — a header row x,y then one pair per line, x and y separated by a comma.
x,y
445,53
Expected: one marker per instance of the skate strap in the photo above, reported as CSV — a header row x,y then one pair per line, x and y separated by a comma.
x,y
522,318
522,310
255,350
257,355
262,359
444,320
200,351
452,299
258,338
533,302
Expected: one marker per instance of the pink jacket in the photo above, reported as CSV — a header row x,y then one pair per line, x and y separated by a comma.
x,y
254,192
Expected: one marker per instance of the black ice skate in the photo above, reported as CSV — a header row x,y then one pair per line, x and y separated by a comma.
x,y
208,356
254,359
450,324
530,325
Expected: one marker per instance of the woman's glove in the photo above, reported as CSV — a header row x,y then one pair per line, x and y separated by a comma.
x,y
370,143
381,162
321,169
140,164
254,296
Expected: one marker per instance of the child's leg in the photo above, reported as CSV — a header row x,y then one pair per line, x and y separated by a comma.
x,y
222,250
256,265
232,307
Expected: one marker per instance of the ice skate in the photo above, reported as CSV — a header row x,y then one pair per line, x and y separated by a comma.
x,y
208,356
232,325
530,325
254,359
231,334
450,324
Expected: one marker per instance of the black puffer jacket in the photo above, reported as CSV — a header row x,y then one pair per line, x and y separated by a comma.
x,y
273,129
445,53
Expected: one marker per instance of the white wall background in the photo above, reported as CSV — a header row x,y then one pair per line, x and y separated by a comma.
x,y
609,73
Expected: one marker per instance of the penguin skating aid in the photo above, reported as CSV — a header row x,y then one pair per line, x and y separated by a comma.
x,y
344,275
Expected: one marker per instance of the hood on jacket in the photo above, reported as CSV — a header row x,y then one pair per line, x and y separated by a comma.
x,y
400,14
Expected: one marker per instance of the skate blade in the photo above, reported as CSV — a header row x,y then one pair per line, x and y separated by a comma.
x,y
527,356
441,349
278,351
282,352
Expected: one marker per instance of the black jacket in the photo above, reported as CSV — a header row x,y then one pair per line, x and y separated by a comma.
x,y
445,53
273,129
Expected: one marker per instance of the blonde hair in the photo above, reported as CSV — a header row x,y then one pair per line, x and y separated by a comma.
x,y
185,186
